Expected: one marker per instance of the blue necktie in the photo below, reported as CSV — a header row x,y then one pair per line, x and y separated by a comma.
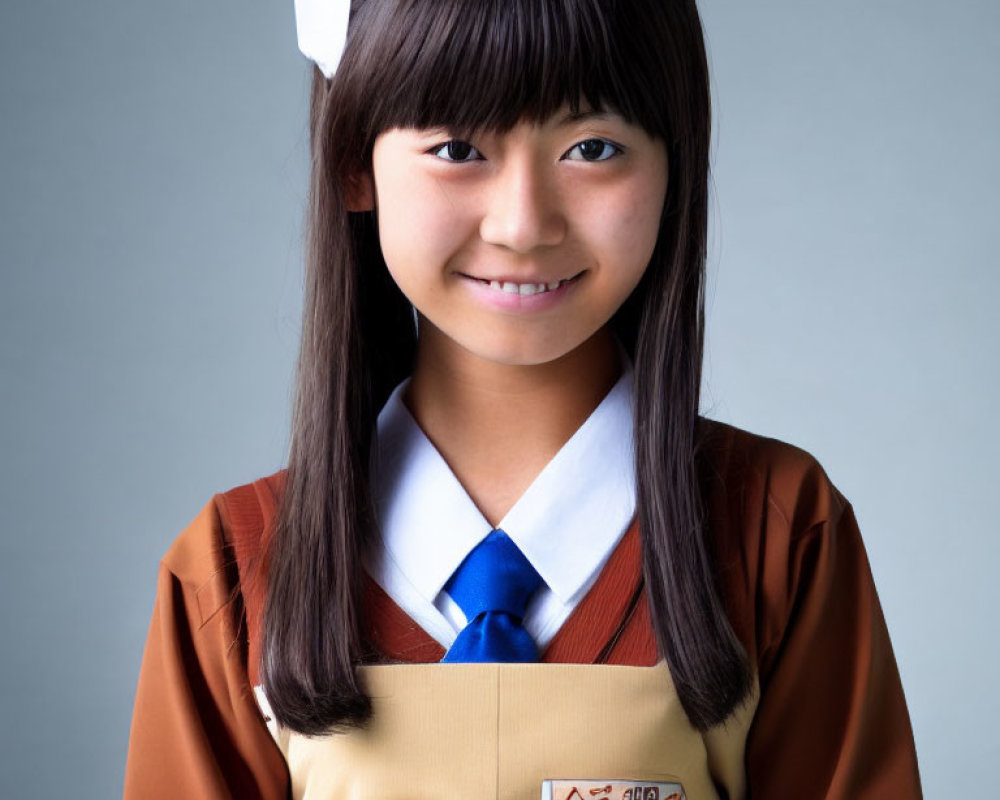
x,y
492,586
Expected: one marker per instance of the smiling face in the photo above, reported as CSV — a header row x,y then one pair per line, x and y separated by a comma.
x,y
519,247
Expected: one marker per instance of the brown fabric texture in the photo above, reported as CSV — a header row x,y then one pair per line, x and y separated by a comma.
x,y
831,721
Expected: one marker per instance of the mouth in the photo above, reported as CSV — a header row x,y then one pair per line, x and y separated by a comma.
x,y
524,289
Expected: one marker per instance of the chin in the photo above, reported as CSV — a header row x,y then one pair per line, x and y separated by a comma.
x,y
525,358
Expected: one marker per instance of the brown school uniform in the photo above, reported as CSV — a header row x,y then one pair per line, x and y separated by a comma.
x,y
827,718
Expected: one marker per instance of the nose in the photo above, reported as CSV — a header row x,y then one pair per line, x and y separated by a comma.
x,y
522,210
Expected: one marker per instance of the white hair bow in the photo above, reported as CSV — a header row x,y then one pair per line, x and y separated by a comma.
x,y
321,26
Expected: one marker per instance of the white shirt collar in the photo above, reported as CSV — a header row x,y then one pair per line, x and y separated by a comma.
x,y
566,522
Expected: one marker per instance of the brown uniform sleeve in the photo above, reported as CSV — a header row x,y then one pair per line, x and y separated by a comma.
x,y
196,730
832,720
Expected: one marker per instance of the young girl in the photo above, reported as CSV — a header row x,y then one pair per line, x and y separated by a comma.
x,y
497,462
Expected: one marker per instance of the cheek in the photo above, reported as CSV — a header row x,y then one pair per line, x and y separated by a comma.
x,y
420,227
394,212
626,229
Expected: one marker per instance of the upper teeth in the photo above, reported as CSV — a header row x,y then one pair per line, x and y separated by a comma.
x,y
524,288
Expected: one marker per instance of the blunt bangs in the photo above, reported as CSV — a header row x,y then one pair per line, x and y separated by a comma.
x,y
469,65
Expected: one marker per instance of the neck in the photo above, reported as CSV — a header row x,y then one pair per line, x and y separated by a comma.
x,y
498,425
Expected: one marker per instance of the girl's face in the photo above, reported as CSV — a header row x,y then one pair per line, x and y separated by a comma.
x,y
519,247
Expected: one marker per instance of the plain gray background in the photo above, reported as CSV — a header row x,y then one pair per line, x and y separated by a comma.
x,y
152,183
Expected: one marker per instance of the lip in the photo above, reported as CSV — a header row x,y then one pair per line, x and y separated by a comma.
x,y
509,301
519,278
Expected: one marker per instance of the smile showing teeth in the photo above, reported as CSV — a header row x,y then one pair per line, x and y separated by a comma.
x,y
525,288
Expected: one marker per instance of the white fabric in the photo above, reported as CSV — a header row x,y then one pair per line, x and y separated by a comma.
x,y
265,709
567,523
321,27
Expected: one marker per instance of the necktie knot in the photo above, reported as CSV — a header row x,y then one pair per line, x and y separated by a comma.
x,y
492,586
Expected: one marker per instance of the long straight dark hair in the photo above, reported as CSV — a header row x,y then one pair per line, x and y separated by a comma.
x,y
488,65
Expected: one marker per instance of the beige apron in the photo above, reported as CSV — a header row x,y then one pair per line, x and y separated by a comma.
x,y
497,731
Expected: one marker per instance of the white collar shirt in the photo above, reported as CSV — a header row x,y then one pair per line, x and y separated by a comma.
x,y
567,522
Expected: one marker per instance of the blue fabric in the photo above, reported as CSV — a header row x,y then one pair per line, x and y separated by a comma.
x,y
492,586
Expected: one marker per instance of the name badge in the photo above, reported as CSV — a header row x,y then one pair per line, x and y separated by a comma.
x,y
611,790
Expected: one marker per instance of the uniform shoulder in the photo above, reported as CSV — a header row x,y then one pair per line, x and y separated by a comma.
x,y
248,511
769,509
787,479
232,524
221,558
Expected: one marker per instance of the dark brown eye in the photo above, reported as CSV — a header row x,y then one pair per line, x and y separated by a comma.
x,y
459,151
456,150
593,150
